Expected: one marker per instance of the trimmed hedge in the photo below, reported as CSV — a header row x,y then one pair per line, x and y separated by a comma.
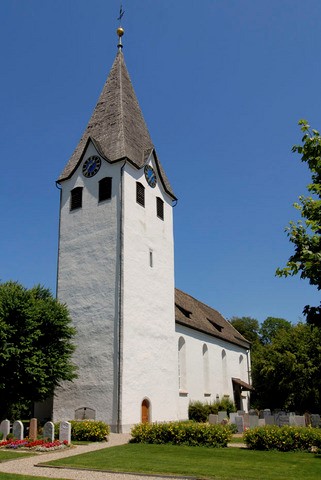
x,y
199,411
86,430
182,433
284,439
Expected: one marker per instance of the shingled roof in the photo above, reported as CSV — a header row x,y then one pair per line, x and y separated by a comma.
x,y
117,127
198,316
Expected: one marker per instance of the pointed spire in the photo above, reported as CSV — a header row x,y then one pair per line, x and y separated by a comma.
x,y
117,127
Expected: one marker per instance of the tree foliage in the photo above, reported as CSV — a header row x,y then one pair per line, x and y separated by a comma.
x,y
286,371
247,326
271,327
306,234
35,347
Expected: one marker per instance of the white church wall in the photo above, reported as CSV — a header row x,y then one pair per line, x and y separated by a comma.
x,y
209,376
149,344
87,283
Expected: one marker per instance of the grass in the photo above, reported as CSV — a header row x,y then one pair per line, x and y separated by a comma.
x,y
200,462
12,455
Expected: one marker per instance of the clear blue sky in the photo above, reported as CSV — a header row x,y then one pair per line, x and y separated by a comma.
x,y
222,85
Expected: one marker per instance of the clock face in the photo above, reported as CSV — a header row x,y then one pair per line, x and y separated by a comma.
x,y
150,176
91,166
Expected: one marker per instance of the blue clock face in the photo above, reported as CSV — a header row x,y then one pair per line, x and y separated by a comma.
x,y
150,176
91,166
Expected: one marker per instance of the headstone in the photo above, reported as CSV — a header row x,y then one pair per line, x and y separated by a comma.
x,y
261,422
239,423
222,416
297,420
232,417
213,419
269,420
266,412
49,431
85,413
284,420
5,428
315,420
246,420
33,429
65,432
252,412
277,416
253,420
17,430
241,412
307,419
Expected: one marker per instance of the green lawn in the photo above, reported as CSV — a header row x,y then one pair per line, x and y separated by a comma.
x,y
225,463
12,455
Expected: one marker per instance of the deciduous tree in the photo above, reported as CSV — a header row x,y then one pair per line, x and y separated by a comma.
x,y
306,234
35,347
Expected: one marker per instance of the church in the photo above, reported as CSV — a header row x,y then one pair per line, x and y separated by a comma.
x,y
144,349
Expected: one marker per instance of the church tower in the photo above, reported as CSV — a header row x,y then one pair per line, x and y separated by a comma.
x,y
116,267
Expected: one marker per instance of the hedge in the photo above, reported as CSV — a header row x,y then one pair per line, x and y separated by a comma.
x,y
199,411
182,433
86,430
284,439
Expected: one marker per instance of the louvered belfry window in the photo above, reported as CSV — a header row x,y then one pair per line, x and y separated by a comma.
x,y
76,198
104,189
160,208
140,194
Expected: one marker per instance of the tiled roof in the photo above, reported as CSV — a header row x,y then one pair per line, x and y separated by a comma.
x,y
117,126
198,316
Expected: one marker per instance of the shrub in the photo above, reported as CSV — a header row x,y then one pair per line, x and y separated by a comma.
x,y
199,411
285,439
86,430
182,433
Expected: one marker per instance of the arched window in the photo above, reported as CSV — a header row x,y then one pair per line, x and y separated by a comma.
x,y
206,370
140,194
224,372
181,364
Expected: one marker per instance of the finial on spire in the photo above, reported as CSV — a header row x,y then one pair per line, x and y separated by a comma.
x,y
120,30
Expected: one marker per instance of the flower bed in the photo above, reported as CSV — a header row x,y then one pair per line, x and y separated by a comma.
x,y
36,445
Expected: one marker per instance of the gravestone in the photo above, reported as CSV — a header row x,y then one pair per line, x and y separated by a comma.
x,y
252,412
65,432
240,412
239,423
297,420
284,420
49,431
266,413
17,430
232,417
269,420
261,422
213,419
33,429
315,420
253,420
222,416
246,421
85,413
5,428
277,416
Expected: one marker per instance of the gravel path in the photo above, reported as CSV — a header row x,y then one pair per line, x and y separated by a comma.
x,y
28,466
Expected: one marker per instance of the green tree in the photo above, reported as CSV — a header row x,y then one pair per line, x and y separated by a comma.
x,y
306,235
35,347
286,371
247,326
270,327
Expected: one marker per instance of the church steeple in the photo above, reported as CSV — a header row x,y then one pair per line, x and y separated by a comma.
x,y
117,126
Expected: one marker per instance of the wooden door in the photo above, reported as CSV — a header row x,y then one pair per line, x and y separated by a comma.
x,y
145,411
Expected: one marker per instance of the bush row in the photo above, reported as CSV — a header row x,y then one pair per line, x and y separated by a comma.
x,y
199,411
86,430
182,433
285,439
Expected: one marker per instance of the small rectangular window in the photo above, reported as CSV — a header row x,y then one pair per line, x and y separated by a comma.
x,y
140,194
76,198
104,192
150,258
160,208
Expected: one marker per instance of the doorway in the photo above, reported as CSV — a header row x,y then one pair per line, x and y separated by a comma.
x,y
145,410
